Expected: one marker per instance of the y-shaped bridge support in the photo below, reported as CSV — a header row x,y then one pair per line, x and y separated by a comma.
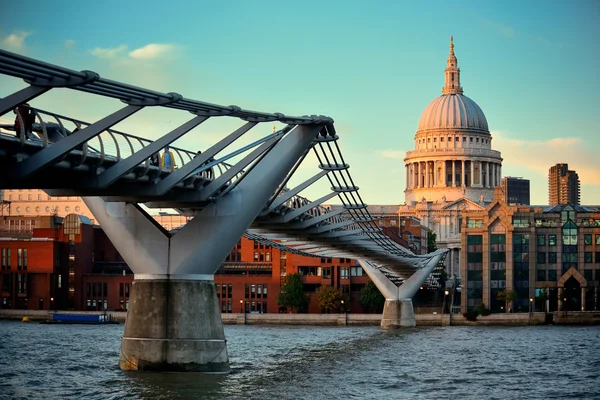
x,y
398,311
174,322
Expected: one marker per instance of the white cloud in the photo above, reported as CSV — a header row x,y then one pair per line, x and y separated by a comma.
x,y
540,155
16,40
109,52
152,50
394,154
70,43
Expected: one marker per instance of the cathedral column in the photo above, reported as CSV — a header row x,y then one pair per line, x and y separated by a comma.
x,y
480,173
419,175
407,177
499,172
427,181
472,174
453,173
496,175
445,180
487,174
462,174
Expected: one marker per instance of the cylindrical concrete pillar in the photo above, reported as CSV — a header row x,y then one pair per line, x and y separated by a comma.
x,y
174,325
487,174
427,170
398,314
462,174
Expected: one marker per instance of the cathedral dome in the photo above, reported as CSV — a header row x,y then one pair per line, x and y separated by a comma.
x,y
453,111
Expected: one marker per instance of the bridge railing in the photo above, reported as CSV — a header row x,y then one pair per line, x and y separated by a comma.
x,y
110,145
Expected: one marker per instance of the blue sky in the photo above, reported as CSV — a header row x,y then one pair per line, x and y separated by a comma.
x,y
372,66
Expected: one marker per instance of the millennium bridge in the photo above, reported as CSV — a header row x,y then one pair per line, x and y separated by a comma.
x,y
234,187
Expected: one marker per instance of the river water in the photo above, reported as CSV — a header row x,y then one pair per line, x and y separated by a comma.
x,y
548,362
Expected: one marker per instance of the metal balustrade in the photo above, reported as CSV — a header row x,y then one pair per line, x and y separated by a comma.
x,y
102,161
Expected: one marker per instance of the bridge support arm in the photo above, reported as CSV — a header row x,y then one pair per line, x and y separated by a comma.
x,y
398,311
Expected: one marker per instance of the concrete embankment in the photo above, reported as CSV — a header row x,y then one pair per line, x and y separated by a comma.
x,y
513,319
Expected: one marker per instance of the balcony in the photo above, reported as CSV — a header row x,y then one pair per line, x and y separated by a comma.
x,y
453,152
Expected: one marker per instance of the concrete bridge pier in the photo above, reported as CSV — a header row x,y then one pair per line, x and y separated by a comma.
x,y
174,319
398,311
174,325
398,314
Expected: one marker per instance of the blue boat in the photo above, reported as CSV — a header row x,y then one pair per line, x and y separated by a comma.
x,y
82,319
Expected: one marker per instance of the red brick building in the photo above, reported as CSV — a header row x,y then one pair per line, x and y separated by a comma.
x,y
71,264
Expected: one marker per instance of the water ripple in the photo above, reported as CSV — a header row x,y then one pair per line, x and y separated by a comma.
x,y
267,362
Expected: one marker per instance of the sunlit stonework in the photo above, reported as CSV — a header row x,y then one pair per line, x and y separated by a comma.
x,y
453,156
453,168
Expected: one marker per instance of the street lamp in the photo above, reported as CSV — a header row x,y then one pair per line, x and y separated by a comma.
x,y
241,305
530,304
445,297
52,303
342,303
565,305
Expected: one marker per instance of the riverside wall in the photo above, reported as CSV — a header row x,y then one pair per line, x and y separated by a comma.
x,y
511,319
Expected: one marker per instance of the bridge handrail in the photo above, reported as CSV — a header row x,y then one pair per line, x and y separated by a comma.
x,y
39,73
110,144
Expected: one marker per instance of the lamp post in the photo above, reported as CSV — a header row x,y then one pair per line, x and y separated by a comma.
x,y
565,306
241,306
530,304
52,303
342,303
530,309
445,297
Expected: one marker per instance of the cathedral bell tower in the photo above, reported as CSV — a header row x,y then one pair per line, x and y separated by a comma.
x,y
452,73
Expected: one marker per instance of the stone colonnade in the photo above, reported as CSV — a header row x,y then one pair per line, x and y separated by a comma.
x,y
453,173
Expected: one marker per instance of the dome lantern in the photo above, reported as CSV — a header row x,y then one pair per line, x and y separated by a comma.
x,y
452,73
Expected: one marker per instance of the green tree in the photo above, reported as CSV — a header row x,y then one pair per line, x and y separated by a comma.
x,y
329,299
292,293
507,296
431,241
371,299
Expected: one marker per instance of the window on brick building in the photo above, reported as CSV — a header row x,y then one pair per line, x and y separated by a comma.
x,y
541,275
344,273
541,240
541,258
587,239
